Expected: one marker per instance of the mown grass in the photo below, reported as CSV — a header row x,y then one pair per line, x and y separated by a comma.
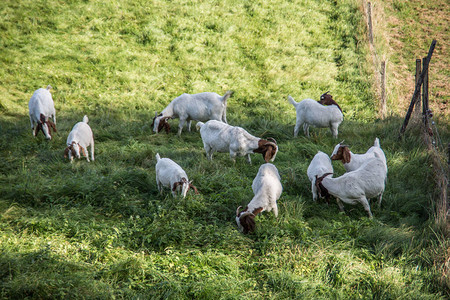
x,y
101,230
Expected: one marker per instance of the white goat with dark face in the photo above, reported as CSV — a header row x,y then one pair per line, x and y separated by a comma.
x,y
221,137
79,139
267,189
170,174
41,108
368,181
320,164
321,114
187,107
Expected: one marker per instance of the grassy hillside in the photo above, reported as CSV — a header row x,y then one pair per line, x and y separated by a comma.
x,y
101,230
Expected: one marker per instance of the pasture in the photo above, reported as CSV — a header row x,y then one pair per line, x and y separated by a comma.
x,y
102,230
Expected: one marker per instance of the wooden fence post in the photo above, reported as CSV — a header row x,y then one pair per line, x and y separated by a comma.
x,y
369,20
383,88
418,71
417,89
425,109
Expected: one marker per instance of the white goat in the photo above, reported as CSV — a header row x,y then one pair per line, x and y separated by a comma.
x,y
311,112
357,186
170,174
187,107
320,164
221,137
353,161
79,139
267,189
41,108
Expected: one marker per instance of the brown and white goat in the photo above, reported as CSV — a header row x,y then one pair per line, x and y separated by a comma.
x,y
41,109
79,139
267,189
220,137
170,174
321,114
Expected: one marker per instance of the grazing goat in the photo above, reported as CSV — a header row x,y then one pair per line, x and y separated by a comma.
x,y
41,108
310,112
79,139
267,189
320,164
187,107
170,174
221,137
358,186
353,161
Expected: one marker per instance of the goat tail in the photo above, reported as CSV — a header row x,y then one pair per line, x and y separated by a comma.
x,y
85,119
49,87
376,143
157,157
292,101
199,125
226,96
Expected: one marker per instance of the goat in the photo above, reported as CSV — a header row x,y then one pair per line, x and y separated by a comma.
x,y
187,107
221,137
311,112
353,161
170,174
79,139
357,186
267,189
41,108
320,164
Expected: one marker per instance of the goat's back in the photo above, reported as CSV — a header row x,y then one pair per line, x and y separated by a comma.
x,y
207,105
267,180
80,133
314,113
216,134
320,164
41,102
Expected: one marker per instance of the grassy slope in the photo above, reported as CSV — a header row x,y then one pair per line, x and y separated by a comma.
x,y
102,230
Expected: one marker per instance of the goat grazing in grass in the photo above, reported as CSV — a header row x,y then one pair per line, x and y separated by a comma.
x,y
267,189
79,139
368,181
170,174
41,108
325,113
221,137
320,164
187,107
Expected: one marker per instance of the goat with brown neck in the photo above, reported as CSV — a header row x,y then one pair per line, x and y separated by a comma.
x,y
267,190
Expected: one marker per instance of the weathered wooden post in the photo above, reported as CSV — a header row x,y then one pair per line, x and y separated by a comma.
x,y
369,20
425,108
383,88
417,89
418,71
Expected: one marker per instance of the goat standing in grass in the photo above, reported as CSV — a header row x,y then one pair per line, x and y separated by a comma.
x,y
187,107
325,113
267,189
368,181
41,108
170,174
221,137
79,139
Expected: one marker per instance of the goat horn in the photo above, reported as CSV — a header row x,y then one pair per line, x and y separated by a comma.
x,y
273,140
237,211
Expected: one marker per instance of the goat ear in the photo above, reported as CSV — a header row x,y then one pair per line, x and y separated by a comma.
x,y
194,188
346,157
175,185
268,153
248,223
66,152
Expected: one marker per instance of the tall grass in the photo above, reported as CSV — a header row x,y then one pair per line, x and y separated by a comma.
x,y
101,230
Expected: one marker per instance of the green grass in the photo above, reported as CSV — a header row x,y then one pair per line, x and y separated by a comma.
x,y
101,230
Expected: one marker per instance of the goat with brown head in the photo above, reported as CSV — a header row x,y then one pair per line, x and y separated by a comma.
x,y
268,148
45,125
160,122
327,99
321,190
246,219
343,153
